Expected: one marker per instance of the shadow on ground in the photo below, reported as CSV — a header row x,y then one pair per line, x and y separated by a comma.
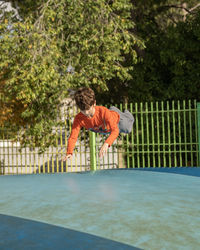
x,y
17,233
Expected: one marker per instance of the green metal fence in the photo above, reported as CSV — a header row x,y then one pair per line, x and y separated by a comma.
x,y
165,134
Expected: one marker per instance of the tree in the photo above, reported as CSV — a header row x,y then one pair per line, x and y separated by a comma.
x,y
91,38
164,70
169,65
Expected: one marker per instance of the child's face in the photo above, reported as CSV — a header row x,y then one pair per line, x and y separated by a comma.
x,y
90,112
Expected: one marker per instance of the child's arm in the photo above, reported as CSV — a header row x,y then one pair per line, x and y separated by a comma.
x,y
113,135
112,122
73,138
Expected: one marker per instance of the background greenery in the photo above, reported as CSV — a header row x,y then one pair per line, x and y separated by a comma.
x,y
169,66
128,51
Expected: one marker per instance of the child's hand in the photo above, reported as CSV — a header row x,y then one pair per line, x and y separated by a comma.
x,y
103,149
67,157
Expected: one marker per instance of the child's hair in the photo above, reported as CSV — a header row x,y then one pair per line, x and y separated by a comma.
x,y
85,98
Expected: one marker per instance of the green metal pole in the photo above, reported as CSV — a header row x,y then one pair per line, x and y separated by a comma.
x,y
147,135
158,135
190,126
169,134
185,133
179,135
93,164
198,123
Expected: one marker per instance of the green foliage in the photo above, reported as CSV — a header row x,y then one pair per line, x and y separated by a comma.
x,y
91,36
171,65
168,67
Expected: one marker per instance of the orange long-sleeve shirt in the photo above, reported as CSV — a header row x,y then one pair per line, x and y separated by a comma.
x,y
103,121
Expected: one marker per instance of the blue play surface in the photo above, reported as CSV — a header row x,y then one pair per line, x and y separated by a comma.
x,y
107,209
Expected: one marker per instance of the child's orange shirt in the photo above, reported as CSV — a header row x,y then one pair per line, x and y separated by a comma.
x,y
104,121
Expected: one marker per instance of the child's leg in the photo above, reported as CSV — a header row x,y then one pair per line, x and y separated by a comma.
x,y
126,120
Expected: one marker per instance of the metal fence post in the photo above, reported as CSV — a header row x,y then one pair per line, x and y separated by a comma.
x,y
198,126
93,163
2,167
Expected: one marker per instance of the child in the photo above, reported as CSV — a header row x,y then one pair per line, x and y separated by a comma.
x,y
97,119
